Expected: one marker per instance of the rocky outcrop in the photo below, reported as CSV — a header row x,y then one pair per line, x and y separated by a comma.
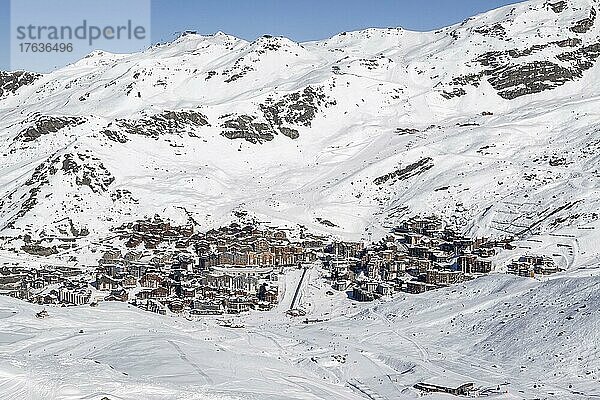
x,y
585,24
558,7
44,125
296,109
10,82
519,80
38,250
84,170
248,128
409,171
299,108
496,30
88,171
154,126
513,79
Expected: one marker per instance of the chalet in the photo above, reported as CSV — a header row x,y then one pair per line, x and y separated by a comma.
x,y
521,269
270,296
444,277
261,245
412,239
129,282
45,299
441,257
188,292
472,264
238,305
143,294
340,285
117,295
360,294
422,252
281,257
385,289
546,269
485,252
159,293
156,307
151,280
416,287
261,258
419,265
231,282
426,226
77,296
312,244
456,390
176,305
106,283
370,286
346,249
279,235
110,257
306,257
207,307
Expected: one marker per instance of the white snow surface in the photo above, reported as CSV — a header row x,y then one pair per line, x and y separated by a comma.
x,y
534,339
498,166
526,166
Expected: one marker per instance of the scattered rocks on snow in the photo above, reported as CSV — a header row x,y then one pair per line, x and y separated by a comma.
x,y
44,125
409,171
10,82
154,126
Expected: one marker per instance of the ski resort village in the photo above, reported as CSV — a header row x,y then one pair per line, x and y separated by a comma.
x,y
237,268
382,214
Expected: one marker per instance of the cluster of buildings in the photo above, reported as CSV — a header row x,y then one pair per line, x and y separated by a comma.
x,y
47,285
420,255
531,265
227,270
236,268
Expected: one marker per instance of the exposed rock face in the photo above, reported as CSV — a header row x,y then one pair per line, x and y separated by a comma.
x,y
456,92
585,24
44,125
298,109
512,79
88,171
409,171
115,136
558,7
154,126
496,30
84,169
10,82
407,131
248,128
38,250
519,80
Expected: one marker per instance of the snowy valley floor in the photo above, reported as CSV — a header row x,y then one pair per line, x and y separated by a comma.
x,y
532,339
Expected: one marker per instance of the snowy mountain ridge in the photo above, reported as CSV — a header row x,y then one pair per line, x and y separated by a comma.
x,y
490,123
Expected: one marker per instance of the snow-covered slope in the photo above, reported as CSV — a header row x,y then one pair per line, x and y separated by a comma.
x,y
514,338
491,123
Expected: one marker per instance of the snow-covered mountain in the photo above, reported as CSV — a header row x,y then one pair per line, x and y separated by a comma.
x,y
491,123
515,338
